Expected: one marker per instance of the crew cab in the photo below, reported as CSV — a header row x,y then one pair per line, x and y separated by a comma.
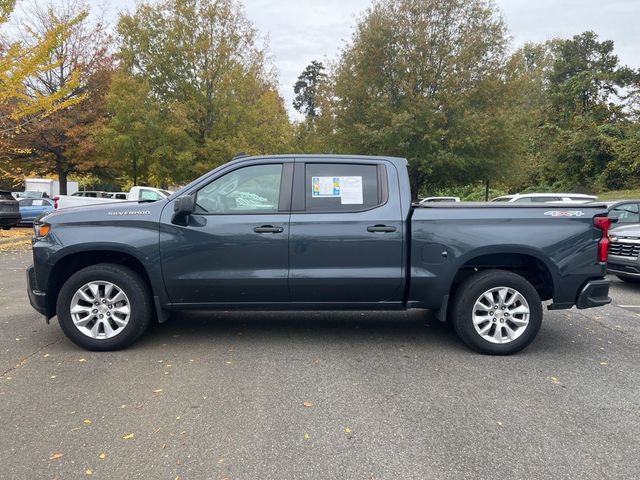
x,y
311,232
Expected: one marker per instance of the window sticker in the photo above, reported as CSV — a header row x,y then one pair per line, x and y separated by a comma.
x,y
351,191
325,187
348,189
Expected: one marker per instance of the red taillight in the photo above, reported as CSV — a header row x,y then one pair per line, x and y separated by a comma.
x,y
604,224
55,201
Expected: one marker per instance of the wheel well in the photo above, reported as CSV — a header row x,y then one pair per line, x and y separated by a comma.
x,y
70,264
527,266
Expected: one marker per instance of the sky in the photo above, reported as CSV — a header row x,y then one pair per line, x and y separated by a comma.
x,y
299,31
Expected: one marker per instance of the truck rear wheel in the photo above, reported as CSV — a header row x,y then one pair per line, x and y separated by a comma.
x,y
104,307
497,312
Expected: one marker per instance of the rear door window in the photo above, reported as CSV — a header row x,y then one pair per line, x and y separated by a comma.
x,y
341,187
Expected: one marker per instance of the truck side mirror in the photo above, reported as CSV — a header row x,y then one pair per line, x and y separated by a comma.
x,y
183,207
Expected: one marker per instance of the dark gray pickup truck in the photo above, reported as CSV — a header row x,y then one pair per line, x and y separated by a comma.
x,y
316,232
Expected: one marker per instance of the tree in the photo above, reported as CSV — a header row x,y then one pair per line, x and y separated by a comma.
x,y
306,89
53,143
201,57
588,119
143,134
424,79
20,62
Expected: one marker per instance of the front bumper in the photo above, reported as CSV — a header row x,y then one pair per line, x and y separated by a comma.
x,y
10,220
37,298
594,293
627,267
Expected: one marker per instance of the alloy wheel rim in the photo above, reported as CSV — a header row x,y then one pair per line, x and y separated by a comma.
x,y
501,315
100,310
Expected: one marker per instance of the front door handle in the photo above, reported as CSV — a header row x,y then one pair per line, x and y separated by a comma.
x,y
381,229
268,229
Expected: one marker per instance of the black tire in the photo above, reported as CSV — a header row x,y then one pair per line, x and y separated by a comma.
x,y
471,290
624,278
6,227
137,291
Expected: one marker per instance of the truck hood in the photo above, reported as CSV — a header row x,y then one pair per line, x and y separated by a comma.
x,y
632,230
106,212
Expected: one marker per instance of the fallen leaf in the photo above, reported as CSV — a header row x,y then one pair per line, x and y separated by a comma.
x,y
347,430
178,417
499,423
307,404
88,422
89,471
46,355
102,456
52,376
554,380
129,436
56,456
157,390
306,436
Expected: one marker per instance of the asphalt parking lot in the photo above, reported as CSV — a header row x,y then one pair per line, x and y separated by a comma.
x,y
319,396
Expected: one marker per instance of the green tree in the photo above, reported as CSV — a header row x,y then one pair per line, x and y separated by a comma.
x,y
424,79
149,140
201,58
306,89
587,120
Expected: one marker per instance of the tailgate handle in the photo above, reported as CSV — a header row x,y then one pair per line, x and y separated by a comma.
x,y
381,229
268,229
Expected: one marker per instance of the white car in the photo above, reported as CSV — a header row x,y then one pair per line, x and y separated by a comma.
x,y
439,199
546,198
140,194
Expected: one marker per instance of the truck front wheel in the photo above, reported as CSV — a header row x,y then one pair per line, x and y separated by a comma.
x,y
104,307
497,312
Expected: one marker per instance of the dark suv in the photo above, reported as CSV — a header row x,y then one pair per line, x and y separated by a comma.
x,y
9,210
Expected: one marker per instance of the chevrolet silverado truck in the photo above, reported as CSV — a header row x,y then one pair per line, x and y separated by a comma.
x,y
316,232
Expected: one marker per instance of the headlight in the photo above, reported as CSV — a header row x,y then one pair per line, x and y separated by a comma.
x,y
41,230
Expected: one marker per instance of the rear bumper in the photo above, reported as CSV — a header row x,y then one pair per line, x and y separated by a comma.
x,y
37,298
594,293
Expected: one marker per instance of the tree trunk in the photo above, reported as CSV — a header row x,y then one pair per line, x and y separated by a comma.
x,y
62,179
62,170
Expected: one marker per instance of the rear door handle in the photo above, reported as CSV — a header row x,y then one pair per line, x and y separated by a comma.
x,y
268,229
381,229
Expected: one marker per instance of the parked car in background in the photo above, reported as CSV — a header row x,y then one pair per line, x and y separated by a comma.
x,y
118,195
9,211
439,199
32,208
30,194
624,211
546,198
139,194
624,252
91,194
